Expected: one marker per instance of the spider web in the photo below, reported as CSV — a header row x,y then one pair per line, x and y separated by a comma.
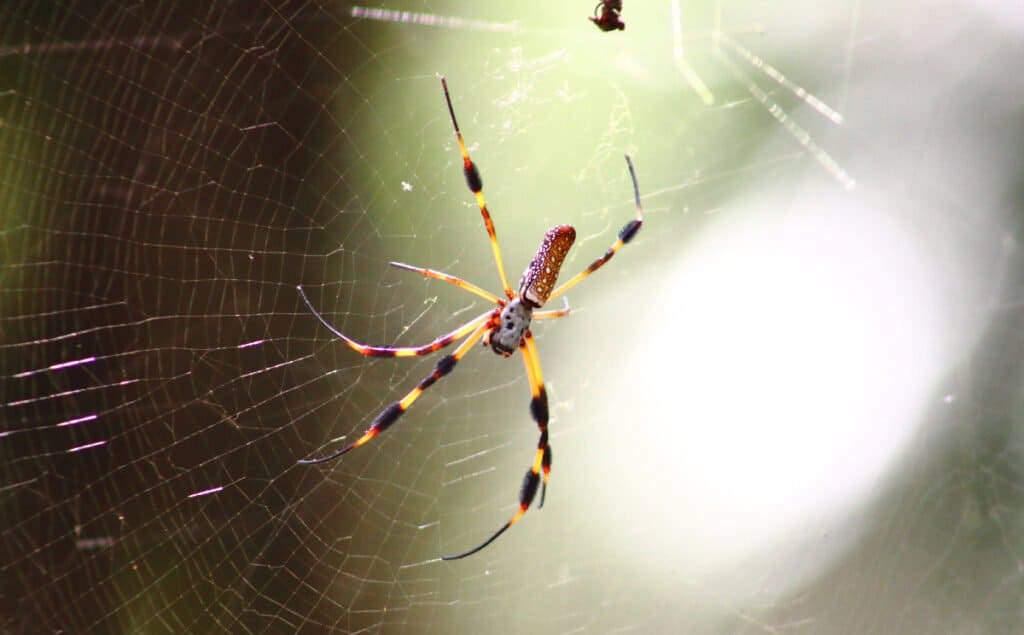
x,y
793,403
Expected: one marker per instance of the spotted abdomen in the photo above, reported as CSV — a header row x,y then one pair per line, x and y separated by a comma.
x,y
541,275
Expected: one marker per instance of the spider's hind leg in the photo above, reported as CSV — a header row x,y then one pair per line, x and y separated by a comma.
x,y
539,412
537,476
391,414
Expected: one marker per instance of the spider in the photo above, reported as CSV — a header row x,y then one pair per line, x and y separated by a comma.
x,y
609,18
504,328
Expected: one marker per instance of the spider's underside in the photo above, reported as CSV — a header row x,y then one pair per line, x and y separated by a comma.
x,y
504,328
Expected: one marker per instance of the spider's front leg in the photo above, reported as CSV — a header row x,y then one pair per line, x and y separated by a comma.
x,y
626,234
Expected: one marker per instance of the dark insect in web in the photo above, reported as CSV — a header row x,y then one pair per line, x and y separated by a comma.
x,y
607,15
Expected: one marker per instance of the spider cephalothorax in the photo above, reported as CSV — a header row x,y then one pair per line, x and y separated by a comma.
x,y
513,322
504,327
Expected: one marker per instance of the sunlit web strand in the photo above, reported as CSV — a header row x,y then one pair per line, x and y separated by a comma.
x,y
139,43
706,96
690,75
430,19
802,136
87,446
77,420
68,393
57,366
206,492
772,72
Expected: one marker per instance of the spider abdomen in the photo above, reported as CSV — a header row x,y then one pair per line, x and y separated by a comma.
x,y
513,321
539,279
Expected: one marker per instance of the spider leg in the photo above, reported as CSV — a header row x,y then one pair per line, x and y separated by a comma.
x,y
396,351
556,313
538,408
460,283
476,186
626,234
542,459
391,414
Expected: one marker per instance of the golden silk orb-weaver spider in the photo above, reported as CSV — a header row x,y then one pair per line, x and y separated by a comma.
x,y
505,328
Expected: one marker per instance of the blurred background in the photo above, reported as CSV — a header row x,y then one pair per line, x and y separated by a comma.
x,y
792,404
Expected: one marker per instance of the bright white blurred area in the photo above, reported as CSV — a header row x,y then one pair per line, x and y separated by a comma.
x,y
772,379
776,379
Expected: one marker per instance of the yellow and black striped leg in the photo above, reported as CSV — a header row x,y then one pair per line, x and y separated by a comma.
x,y
538,409
458,282
541,460
476,186
391,414
626,234
397,351
554,313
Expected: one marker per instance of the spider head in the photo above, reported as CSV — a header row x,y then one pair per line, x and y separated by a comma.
x,y
512,324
